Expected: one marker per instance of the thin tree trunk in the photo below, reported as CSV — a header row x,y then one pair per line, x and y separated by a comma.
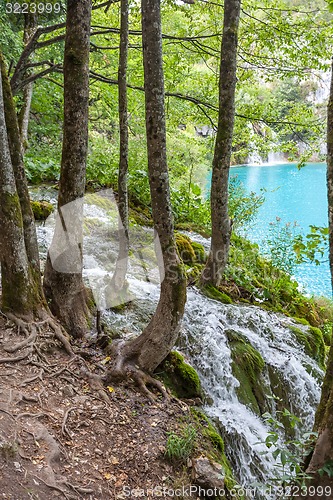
x,y
322,455
152,346
25,113
63,283
221,224
118,281
30,26
19,293
15,146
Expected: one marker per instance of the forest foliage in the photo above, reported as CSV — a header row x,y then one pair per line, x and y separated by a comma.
x,y
279,101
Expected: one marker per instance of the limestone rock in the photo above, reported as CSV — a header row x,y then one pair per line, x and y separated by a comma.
x,y
207,474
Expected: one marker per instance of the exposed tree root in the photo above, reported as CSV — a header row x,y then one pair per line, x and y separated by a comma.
x,y
16,358
123,367
37,338
52,486
142,380
28,341
96,384
63,426
32,379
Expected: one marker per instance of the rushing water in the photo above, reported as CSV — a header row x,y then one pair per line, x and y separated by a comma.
x,y
294,196
204,341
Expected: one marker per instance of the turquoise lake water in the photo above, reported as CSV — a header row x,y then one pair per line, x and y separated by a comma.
x,y
292,195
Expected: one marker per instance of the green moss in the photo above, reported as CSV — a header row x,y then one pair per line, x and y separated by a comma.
x,y
141,216
91,223
200,254
312,341
301,321
213,293
317,344
327,332
185,249
41,209
179,376
193,273
11,208
247,367
215,438
192,226
211,445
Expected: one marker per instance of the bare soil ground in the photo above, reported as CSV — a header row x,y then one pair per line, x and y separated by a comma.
x,y
63,437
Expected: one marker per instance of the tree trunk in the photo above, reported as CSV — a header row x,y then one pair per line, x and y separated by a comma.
x,y
144,353
221,224
30,25
63,283
118,279
19,292
15,146
322,456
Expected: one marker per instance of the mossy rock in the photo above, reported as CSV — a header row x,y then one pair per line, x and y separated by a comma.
x,y
141,216
247,367
41,209
326,330
313,342
317,344
301,321
212,445
200,253
100,201
185,249
215,438
306,309
192,226
180,377
90,224
213,293
193,274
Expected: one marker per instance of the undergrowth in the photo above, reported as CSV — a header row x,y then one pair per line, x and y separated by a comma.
x,y
179,447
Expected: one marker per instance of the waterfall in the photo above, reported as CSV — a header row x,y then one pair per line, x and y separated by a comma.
x,y
205,342
206,347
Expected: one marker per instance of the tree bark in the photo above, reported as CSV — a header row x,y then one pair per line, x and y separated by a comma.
x,y
63,282
16,153
221,224
119,277
30,26
152,346
19,292
323,452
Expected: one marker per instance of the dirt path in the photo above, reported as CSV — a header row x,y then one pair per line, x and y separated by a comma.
x,y
61,437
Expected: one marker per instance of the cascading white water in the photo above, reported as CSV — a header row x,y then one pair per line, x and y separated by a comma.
x,y
204,342
206,347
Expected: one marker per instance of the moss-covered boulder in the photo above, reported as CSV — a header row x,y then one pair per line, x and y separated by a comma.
x,y
213,293
193,273
304,308
192,226
211,444
247,367
185,249
313,342
140,215
200,253
180,377
41,209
